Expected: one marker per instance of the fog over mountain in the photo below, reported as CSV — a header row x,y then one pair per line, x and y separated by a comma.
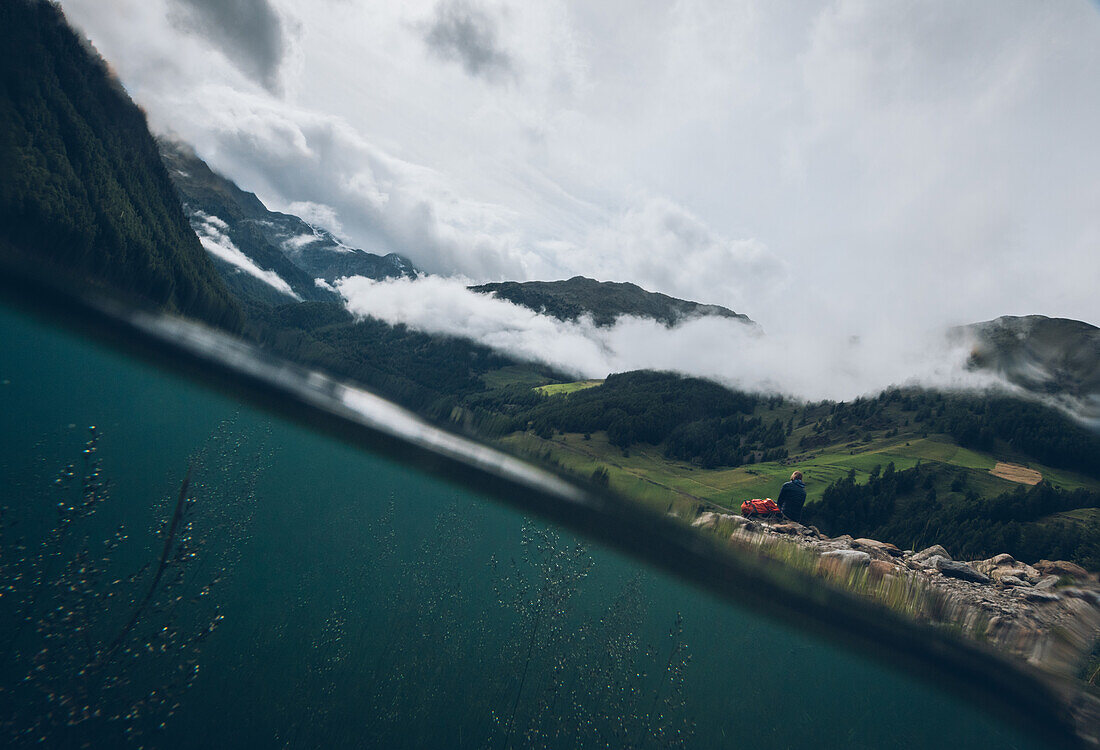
x,y
720,348
833,169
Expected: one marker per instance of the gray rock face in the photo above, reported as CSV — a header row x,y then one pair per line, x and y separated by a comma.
x,y
934,551
954,569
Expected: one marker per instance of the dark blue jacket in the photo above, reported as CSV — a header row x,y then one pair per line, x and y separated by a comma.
x,y
791,499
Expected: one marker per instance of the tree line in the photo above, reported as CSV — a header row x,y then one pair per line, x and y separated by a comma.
x,y
927,505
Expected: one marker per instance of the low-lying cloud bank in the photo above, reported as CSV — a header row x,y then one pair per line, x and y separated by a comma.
x,y
816,367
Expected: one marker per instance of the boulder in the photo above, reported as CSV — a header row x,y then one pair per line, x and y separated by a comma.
x,y
1047,583
743,522
1012,581
881,568
934,551
874,544
960,570
1004,565
1041,597
787,528
843,559
1061,568
706,520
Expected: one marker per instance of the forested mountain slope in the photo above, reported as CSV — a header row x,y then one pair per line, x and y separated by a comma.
x,y
84,195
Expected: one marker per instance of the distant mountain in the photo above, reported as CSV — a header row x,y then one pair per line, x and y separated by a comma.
x,y
84,197
603,300
1047,356
264,255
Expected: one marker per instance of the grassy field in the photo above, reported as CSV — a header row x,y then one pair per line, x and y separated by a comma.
x,y
644,473
559,389
513,375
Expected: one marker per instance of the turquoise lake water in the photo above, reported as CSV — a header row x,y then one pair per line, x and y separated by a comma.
x,y
314,595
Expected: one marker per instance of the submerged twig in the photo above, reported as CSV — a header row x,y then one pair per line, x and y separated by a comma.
x,y
173,529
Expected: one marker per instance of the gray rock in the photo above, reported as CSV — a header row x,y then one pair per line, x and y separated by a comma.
x,y
742,521
934,551
847,557
1041,597
1047,583
706,520
961,570
1012,581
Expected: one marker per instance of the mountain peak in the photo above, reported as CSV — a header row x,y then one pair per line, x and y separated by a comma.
x,y
264,255
604,301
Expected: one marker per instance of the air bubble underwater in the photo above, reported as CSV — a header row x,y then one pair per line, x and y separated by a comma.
x,y
98,649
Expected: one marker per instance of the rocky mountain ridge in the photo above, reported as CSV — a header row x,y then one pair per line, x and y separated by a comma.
x,y
264,255
1055,358
604,301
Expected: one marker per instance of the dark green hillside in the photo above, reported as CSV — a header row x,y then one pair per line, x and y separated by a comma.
x,y
929,504
603,300
84,194
429,374
678,444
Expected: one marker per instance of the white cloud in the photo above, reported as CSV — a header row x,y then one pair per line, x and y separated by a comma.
x,y
833,167
716,348
211,231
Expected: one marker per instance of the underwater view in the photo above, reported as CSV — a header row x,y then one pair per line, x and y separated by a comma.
x,y
577,374
182,570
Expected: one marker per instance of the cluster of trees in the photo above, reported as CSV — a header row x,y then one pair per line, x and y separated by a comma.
x,y
729,441
690,416
925,505
1037,431
84,194
984,422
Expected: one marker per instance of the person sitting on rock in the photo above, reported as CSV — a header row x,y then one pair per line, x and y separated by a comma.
x,y
792,497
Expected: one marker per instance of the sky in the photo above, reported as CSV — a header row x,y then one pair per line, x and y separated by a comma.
x,y
831,169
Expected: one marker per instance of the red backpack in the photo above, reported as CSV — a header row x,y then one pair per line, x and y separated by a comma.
x,y
757,507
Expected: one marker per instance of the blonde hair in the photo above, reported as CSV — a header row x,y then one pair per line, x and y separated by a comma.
x,y
796,475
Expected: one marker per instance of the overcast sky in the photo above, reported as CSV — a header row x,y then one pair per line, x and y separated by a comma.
x,y
851,166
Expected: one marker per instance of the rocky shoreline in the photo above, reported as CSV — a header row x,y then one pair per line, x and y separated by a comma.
x,y
1046,613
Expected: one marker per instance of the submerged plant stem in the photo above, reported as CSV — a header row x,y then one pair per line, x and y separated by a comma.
x,y
170,539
